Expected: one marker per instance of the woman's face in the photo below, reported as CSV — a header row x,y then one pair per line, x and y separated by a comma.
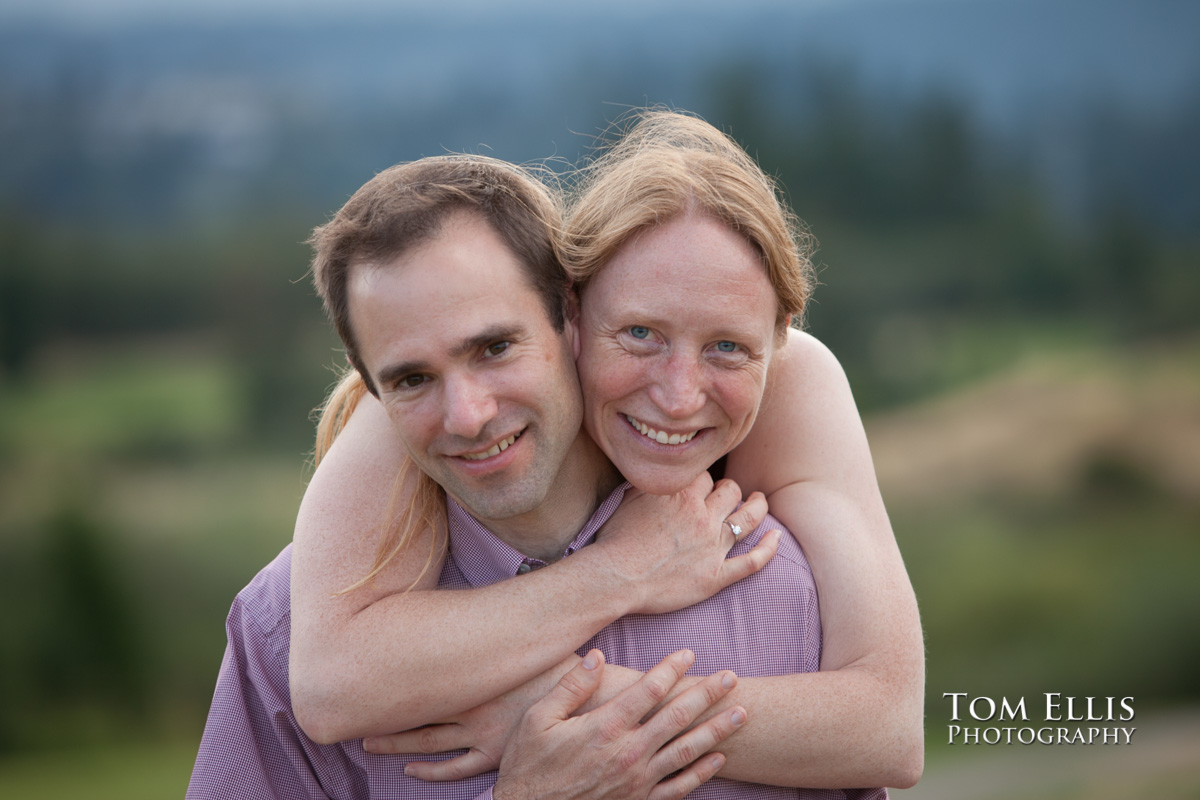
x,y
676,333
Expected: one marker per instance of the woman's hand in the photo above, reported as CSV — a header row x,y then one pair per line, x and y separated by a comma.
x,y
674,546
483,731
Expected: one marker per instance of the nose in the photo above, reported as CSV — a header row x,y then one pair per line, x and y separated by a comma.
x,y
469,406
677,391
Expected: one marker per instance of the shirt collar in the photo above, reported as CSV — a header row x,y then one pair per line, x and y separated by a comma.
x,y
484,559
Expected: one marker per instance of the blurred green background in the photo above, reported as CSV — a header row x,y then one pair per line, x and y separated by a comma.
x,y
1007,198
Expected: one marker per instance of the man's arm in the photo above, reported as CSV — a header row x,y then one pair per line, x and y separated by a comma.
x,y
240,757
251,748
382,658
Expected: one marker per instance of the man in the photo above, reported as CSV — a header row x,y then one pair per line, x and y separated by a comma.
x,y
441,279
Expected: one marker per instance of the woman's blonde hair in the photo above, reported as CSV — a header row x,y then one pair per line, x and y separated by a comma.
x,y
665,163
426,507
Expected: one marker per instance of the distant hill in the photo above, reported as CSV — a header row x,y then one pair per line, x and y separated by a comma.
x,y
1107,421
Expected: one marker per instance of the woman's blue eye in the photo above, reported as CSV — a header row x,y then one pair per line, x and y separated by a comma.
x,y
726,347
639,332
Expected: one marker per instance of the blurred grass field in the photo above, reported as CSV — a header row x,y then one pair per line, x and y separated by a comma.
x,y
1048,512
1161,765
129,772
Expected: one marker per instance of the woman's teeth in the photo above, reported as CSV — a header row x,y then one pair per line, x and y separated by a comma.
x,y
662,437
495,449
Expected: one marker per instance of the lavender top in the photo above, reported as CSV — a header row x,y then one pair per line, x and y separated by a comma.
x,y
252,747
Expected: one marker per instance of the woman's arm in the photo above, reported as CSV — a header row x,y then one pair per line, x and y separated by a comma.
x,y
379,658
858,722
864,712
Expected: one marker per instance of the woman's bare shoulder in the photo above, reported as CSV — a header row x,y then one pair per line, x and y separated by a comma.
x,y
803,364
806,420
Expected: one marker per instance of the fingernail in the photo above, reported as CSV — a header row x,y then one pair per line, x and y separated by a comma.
x,y
737,717
727,680
590,661
777,535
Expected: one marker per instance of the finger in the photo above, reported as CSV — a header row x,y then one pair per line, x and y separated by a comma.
x,y
472,763
429,739
724,498
691,746
627,709
745,565
703,483
678,715
572,690
688,780
749,515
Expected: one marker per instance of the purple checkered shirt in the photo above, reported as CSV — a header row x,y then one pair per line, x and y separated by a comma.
x,y
253,749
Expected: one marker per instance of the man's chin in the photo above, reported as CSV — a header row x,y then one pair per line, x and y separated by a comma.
x,y
503,500
501,507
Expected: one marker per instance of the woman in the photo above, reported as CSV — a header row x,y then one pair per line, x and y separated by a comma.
x,y
668,391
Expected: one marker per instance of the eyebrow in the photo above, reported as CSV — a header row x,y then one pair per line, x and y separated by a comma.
x,y
388,376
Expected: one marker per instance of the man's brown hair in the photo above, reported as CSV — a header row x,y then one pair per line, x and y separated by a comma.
x,y
406,205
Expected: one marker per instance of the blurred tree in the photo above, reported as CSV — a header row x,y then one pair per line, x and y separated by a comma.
x,y
91,650
942,152
21,314
272,318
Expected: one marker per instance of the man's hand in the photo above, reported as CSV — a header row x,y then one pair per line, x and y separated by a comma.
x,y
609,752
673,547
483,731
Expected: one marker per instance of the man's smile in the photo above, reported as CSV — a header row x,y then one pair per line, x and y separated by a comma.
x,y
495,449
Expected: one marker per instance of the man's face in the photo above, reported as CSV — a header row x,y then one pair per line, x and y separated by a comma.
x,y
475,379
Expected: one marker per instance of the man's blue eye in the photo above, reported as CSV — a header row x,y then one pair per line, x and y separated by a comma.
x,y
639,332
726,347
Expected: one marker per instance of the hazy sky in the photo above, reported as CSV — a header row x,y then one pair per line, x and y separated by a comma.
x,y
105,11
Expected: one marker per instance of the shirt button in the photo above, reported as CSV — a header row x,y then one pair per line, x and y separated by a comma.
x,y
524,568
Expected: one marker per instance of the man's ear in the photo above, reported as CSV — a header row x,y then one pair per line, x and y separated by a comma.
x,y
572,326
